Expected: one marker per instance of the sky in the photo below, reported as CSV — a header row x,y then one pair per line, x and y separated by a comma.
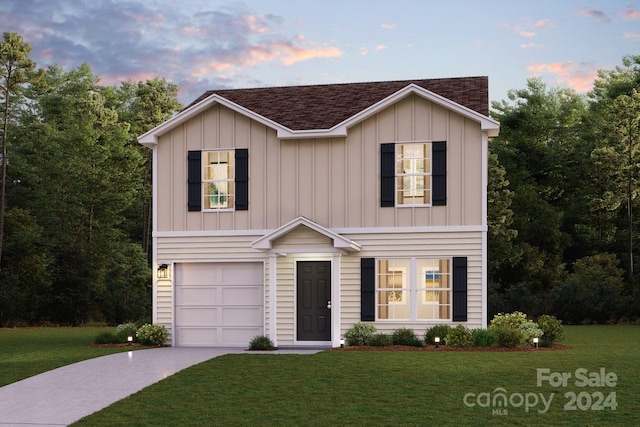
x,y
209,44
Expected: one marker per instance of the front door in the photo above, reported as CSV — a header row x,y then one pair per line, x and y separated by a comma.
x,y
314,301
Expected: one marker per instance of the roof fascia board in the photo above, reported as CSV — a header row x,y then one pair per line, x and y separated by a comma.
x,y
487,124
339,242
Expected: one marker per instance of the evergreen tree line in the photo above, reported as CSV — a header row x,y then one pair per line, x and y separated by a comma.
x,y
75,217
563,200
76,196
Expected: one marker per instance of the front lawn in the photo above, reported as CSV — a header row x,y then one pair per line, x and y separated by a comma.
x,y
25,352
402,388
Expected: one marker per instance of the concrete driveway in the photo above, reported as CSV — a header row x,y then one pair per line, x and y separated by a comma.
x,y
65,395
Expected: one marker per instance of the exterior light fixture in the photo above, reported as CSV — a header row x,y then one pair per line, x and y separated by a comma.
x,y
130,340
535,343
437,341
163,271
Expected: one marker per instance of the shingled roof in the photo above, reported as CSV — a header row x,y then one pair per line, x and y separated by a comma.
x,y
324,106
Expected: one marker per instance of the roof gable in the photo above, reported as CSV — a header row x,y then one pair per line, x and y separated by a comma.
x,y
328,110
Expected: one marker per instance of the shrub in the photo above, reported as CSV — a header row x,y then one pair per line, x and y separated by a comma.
x,y
513,320
380,340
459,336
529,330
155,335
106,338
359,334
436,331
126,330
405,336
507,336
483,337
261,343
552,328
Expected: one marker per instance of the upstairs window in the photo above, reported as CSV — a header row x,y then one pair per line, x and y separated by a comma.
x,y
413,174
218,178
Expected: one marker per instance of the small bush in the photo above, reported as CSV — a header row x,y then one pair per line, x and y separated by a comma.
x,y
552,328
155,335
459,336
513,320
507,336
126,330
436,331
261,343
405,336
359,334
380,340
529,330
106,338
483,337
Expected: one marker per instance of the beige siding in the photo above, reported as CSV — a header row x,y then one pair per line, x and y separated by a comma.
x,y
285,301
332,181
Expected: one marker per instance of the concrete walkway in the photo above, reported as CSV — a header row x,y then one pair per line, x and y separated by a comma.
x,y
65,395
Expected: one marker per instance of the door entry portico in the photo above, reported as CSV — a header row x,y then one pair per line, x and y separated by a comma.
x,y
313,304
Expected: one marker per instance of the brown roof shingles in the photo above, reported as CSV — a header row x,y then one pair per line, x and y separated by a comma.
x,y
324,106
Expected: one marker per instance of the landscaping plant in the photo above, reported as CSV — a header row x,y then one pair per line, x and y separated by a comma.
x,y
359,334
261,343
436,331
459,336
406,336
155,335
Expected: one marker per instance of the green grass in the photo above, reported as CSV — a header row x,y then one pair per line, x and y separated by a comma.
x,y
25,352
388,388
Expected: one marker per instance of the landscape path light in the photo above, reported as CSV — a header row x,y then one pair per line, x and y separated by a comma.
x,y
437,341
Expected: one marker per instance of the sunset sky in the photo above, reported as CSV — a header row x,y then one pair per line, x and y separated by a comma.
x,y
201,45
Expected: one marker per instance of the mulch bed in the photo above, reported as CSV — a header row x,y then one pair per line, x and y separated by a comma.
x,y
445,348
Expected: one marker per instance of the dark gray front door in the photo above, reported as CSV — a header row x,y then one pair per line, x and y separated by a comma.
x,y
314,301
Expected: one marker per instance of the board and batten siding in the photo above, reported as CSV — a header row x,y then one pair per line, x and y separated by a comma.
x,y
331,181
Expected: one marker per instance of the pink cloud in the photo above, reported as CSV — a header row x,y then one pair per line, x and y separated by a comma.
x,y
388,26
542,23
290,54
579,77
527,34
632,35
380,47
630,14
119,78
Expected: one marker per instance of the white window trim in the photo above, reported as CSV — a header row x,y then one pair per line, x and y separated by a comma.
x,y
412,289
206,182
412,177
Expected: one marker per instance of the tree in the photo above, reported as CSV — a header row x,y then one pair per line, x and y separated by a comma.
x,y
616,153
15,66
536,147
143,105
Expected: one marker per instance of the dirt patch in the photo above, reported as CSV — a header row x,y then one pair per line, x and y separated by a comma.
x,y
555,347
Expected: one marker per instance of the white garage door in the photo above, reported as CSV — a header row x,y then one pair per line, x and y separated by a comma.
x,y
218,304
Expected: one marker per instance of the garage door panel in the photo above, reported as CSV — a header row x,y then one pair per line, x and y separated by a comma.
x,y
245,295
197,316
242,316
219,304
194,295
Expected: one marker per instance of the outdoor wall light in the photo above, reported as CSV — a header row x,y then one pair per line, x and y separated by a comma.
x,y
535,343
163,271
437,341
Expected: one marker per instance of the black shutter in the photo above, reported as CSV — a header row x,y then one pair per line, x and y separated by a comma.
x,y
367,289
439,173
242,179
460,289
387,174
194,181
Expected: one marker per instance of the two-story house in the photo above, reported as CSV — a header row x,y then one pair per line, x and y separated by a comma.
x,y
295,212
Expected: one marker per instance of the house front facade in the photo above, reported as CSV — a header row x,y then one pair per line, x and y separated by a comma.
x,y
296,212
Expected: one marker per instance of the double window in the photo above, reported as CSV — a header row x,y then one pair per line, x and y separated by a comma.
x,y
413,289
